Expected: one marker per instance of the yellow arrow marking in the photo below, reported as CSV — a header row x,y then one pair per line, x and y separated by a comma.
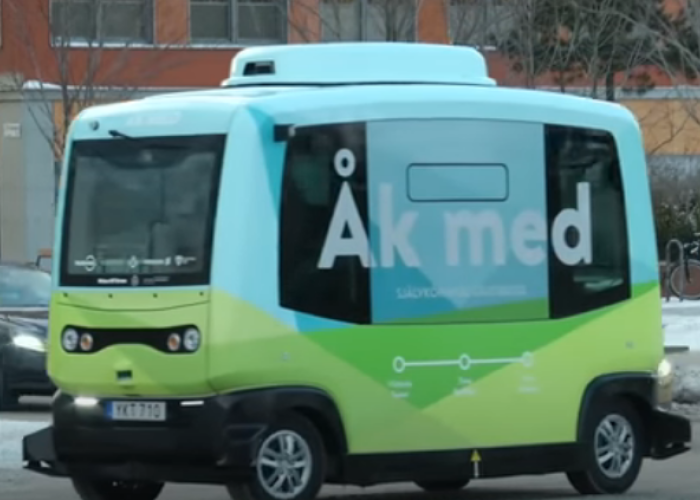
x,y
475,456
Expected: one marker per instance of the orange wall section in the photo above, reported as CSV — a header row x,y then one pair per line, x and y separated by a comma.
x,y
172,21
433,25
304,21
670,126
26,47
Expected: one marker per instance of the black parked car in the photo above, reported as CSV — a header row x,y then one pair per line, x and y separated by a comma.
x,y
25,292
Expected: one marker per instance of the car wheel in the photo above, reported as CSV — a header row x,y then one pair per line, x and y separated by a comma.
x,y
614,449
437,486
290,463
8,400
91,489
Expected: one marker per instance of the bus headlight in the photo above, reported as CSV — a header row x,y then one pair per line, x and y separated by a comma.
x,y
85,402
174,342
86,342
665,369
192,339
70,339
664,383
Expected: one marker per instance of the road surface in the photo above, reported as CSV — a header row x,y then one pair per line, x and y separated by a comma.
x,y
675,479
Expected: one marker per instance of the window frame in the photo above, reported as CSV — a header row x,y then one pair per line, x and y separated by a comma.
x,y
99,41
363,7
234,39
202,278
567,303
357,311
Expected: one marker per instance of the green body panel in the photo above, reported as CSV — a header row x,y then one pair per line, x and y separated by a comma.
x,y
154,373
424,407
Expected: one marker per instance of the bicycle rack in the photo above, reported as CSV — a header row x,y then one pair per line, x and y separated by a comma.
x,y
669,266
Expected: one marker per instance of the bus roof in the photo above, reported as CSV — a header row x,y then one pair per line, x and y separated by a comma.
x,y
280,81
358,63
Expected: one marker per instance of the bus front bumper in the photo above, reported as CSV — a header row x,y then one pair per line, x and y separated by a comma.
x,y
671,434
197,444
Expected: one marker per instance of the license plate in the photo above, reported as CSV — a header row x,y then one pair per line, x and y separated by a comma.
x,y
137,411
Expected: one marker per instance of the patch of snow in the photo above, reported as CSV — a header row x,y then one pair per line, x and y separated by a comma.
x,y
691,411
682,331
38,85
11,434
681,323
676,303
686,384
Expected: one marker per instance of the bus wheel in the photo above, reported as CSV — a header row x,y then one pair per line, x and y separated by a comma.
x,y
435,486
290,463
90,489
614,448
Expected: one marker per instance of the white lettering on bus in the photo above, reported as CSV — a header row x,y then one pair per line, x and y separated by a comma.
x,y
527,236
345,215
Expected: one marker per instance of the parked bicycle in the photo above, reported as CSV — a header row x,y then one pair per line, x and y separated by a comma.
x,y
688,268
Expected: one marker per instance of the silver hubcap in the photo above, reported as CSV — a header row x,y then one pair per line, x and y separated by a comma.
x,y
284,464
614,446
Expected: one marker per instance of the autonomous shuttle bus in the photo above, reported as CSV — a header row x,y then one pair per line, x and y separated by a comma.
x,y
354,264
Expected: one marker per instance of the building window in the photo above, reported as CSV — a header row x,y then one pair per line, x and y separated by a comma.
x,y
371,20
482,23
341,20
103,20
238,21
310,191
589,253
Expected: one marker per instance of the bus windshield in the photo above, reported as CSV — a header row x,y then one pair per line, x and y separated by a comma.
x,y
140,211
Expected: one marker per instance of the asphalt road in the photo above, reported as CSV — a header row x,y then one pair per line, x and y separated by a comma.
x,y
675,479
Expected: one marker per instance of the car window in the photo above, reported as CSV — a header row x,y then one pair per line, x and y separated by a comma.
x,y
24,287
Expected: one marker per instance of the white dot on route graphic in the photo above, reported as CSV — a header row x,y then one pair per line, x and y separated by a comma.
x,y
399,364
344,162
527,359
465,362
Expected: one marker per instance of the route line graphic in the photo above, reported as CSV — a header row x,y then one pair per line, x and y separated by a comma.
x,y
464,362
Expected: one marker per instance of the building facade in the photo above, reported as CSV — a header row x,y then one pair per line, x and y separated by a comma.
x,y
128,48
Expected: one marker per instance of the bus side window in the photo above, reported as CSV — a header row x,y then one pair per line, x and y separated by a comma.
x,y
578,155
310,189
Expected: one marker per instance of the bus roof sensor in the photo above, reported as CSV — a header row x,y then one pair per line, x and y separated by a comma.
x,y
358,63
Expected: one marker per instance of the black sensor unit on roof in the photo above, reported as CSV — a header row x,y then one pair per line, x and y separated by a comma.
x,y
259,68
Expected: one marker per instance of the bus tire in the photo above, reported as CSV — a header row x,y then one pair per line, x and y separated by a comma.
x,y
93,489
437,486
290,463
613,440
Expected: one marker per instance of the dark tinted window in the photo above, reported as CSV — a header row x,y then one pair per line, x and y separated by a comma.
x,y
310,190
141,212
581,161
